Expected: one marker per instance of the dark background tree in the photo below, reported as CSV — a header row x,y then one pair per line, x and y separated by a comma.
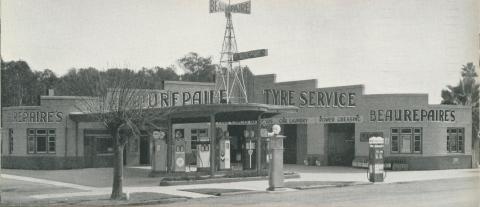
x,y
22,86
197,68
46,79
153,77
19,84
466,93
73,83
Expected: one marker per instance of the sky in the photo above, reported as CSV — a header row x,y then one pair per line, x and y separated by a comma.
x,y
390,46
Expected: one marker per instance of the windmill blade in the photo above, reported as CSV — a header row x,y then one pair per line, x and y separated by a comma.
x,y
217,6
244,7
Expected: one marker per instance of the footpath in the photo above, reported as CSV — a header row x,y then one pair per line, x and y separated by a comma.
x,y
93,186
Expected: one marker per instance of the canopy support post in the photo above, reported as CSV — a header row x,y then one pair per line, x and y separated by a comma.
x,y
259,144
213,130
170,145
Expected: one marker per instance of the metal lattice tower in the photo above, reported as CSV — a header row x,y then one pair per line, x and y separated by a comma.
x,y
229,75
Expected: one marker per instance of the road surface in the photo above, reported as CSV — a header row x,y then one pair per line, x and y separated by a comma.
x,y
458,192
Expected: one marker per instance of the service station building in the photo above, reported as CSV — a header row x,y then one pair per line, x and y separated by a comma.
x,y
330,127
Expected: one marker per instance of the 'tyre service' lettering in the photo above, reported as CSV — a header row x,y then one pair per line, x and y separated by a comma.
x,y
323,99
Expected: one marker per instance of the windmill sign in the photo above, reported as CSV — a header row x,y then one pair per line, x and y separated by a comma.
x,y
219,6
250,54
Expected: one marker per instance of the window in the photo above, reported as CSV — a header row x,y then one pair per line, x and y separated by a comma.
x,y
406,140
41,141
203,132
394,143
104,145
455,139
194,139
196,136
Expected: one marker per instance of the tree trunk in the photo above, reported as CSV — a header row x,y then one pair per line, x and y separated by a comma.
x,y
117,188
475,152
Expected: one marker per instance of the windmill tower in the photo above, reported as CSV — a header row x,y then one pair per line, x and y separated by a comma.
x,y
229,76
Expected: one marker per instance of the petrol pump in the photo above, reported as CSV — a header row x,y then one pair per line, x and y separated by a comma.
x,y
203,150
179,152
376,172
159,161
225,152
264,148
249,153
275,172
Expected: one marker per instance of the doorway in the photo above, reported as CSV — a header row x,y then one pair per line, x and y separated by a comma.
x,y
97,148
144,150
290,143
237,142
340,144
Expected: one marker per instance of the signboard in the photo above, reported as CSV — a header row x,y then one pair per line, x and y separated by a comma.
x,y
340,119
158,134
147,98
289,120
37,116
244,7
219,6
314,98
250,54
412,115
376,140
302,120
364,136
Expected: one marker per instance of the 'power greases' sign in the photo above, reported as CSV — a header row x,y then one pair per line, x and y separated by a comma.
x,y
322,99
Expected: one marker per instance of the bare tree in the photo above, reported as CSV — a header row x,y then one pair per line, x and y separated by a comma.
x,y
122,109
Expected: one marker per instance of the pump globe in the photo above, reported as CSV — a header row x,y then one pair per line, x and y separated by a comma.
x,y
276,129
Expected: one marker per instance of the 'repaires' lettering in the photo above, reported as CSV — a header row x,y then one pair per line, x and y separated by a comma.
x,y
38,116
412,115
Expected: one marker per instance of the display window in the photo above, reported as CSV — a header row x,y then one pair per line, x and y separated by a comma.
x,y
41,141
455,140
406,140
104,145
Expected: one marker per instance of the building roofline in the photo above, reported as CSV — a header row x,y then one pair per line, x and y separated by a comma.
x,y
264,75
347,86
298,81
190,83
397,94
450,106
66,97
19,107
